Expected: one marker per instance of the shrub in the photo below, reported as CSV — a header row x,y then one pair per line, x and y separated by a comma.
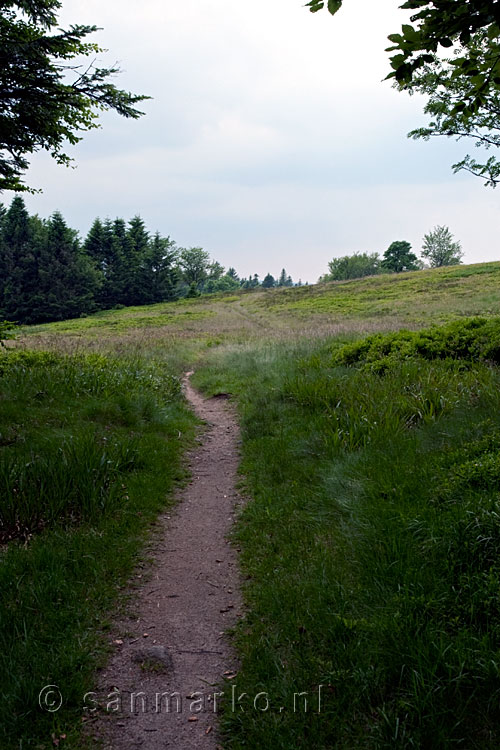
x,y
472,339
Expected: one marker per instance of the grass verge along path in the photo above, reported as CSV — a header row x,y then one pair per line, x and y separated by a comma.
x,y
371,547
90,450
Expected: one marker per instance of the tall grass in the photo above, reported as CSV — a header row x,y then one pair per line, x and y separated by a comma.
x,y
371,548
89,453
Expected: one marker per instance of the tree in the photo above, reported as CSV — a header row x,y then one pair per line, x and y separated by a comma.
x,y
224,283
45,274
268,281
284,279
47,96
66,279
218,281
215,270
464,89
160,277
440,249
450,117
19,262
251,283
353,267
138,240
194,262
398,257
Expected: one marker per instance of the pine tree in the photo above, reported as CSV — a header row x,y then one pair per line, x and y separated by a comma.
x,y
95,245
160,275
135,283
67,280
282,278
268,282
119,265
19,263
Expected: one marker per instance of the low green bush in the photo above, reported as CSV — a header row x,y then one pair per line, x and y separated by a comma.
x,y
473,339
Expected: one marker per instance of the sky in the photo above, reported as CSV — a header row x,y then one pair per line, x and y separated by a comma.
x,y
271,139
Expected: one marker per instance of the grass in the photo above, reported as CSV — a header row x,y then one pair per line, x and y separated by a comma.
x,y
370,546
416,298
379,303
89,453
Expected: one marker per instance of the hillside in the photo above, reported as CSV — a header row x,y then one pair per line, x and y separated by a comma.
x,y
384,302
370,542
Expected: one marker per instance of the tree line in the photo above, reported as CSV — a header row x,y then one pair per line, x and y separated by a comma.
x,y
438,249
48,273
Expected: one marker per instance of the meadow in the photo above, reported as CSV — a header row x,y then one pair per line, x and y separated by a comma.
x,y
370,541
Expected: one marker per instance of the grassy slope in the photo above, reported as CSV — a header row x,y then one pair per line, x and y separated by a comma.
x,y
343,542
376,303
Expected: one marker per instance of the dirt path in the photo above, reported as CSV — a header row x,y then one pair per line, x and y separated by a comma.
x,y
158,688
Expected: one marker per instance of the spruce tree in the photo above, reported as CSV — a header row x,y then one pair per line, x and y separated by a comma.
x,y
67,280
160,277
282,278
268,281
19,263
135,280
119,263
95,246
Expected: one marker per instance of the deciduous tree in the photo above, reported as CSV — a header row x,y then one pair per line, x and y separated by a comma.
x,y
353,267
440,249
194,262
463,89
398,257
47,97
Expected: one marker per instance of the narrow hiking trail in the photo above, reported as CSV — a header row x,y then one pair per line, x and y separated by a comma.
x,y
157,690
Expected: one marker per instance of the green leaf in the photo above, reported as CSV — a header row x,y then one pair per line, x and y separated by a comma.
x,y
315,5
397,61
493,31
396,38
334,6
410,33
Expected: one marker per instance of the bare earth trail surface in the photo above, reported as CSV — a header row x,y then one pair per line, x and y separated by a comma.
x,y
157,690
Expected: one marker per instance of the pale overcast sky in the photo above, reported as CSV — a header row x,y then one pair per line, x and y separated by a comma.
x,y
270,140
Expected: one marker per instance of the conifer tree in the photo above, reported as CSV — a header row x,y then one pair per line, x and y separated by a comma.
x,y
119,262
135,256
282,278
159,271
94,245
67,280
268,282
19,263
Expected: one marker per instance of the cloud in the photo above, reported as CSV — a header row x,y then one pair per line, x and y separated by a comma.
x,y
270,140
